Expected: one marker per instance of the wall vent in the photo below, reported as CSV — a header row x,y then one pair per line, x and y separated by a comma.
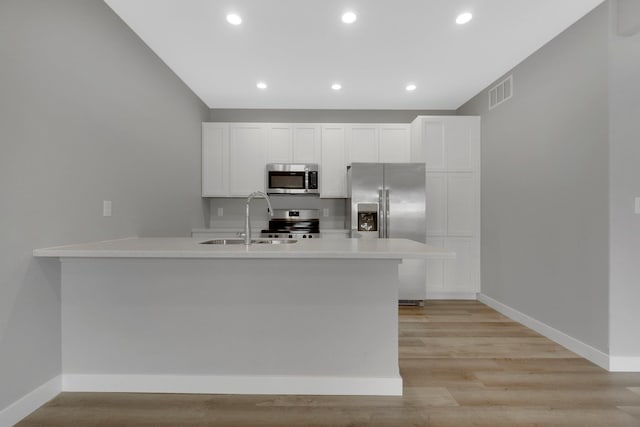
x,y
501,92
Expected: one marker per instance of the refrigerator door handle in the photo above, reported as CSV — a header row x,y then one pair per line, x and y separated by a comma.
x,y
387,212
382,219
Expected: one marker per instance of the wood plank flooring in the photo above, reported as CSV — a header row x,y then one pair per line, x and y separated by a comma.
x,y
463,364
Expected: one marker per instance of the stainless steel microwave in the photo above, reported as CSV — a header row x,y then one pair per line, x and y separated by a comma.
x,y
292,178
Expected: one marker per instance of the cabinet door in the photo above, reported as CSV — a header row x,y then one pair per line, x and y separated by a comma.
x,y
333,169
279,143
215,159
462,144
436,204
462,273
306,143
433,134
461,204
435,268
362,143
394,146
247,158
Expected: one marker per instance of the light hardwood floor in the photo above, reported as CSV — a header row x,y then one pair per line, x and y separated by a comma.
x,y
463,364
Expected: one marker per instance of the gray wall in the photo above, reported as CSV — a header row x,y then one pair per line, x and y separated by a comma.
x,y
624,118
545,185
87,113
321,116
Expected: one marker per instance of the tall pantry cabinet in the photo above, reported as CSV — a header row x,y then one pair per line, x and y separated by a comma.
x,y
450,148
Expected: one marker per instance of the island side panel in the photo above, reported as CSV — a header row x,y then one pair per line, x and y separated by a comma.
x,y
130,323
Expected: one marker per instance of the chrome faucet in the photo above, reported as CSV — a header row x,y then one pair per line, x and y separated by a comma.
x,y
247,224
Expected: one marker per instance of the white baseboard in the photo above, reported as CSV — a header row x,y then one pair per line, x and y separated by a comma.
x,y
30,402
624,364
234,384
438,295
590,353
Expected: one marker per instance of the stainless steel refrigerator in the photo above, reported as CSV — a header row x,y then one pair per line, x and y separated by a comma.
x,y
387,200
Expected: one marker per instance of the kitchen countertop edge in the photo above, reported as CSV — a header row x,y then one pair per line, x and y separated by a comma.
x,y
180,248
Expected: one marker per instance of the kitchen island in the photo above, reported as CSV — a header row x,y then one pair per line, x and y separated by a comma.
x,y
177,316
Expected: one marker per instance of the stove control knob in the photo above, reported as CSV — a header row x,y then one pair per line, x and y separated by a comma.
x,y
304,236
310,236
291,236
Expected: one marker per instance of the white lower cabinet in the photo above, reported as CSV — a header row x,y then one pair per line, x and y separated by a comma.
x,y
447,278
435,269
462,274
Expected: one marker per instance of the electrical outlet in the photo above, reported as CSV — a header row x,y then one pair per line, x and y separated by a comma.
x,y
325,212
106,208
220,211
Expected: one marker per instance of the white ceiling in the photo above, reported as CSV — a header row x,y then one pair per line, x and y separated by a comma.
x,y
300,47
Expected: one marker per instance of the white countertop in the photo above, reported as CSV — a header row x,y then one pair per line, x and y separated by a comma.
x,y
179,247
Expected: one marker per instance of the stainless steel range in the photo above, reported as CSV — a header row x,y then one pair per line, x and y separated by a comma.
x,y
294,224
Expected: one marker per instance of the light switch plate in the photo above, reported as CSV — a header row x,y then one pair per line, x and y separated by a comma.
x,y
325,212
220,211
638,205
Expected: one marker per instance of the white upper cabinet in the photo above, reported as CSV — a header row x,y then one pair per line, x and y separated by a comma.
x,y
279,143
373,143
306,143
446,143
395,143
433,145
293,143
234,155
215,159
362,143
333,167
247,158
462,144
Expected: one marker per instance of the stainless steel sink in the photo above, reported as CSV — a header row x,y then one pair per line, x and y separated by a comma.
x,y
254,241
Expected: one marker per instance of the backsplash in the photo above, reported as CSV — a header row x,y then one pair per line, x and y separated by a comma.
x,y
233,211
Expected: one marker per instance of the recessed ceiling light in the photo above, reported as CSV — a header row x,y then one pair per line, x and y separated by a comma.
x,y
349,17
336,86
234,19
463,18
261,85
411,87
